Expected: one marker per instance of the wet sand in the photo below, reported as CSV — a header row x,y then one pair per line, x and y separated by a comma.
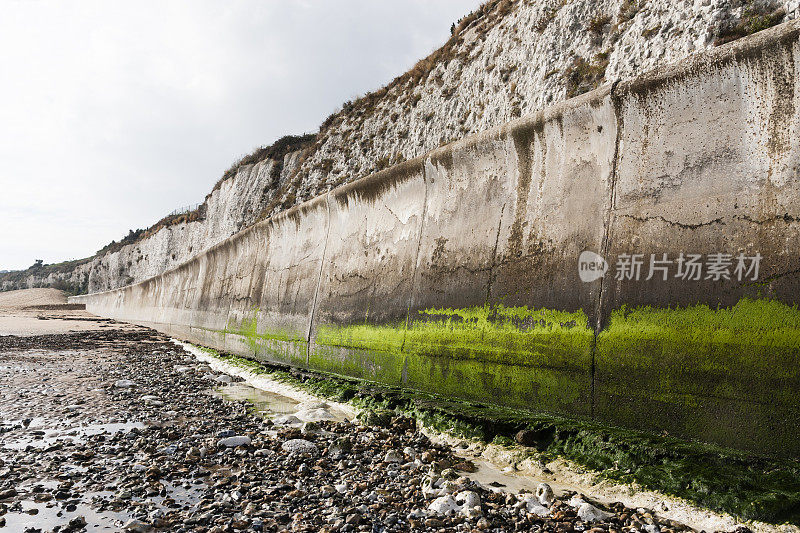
x,y
46,312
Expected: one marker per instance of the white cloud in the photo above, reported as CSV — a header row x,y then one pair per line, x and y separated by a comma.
x,y
114,113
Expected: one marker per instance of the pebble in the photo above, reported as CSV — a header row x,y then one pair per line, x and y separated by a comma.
x,y
544,493
589,513
393,456
444,505
137,526
232,442
215,465
300,446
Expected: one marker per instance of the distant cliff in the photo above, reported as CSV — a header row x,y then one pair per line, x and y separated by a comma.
x,y
507,59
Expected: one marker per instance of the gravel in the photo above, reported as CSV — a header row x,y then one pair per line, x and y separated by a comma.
x,y
166,455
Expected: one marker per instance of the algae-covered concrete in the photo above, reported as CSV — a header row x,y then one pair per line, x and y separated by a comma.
x,y
708,164
457,272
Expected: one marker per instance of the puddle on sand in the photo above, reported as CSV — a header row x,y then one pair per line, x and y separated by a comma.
x,y
498,480
49,515
45,437
264,403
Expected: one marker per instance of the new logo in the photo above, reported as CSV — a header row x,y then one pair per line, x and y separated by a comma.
x,y
591,266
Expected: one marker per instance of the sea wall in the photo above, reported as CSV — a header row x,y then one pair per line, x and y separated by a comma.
x,y
458,272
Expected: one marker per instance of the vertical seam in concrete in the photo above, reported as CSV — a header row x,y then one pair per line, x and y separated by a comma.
x,y
494,255
606,244
319,276
416,256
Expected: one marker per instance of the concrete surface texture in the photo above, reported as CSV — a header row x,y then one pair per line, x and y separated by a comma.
x,y
458,272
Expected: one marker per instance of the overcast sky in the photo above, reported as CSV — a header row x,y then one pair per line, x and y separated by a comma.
x,y
112,114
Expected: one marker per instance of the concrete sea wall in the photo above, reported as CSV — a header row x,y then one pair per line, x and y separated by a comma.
x,y
458,272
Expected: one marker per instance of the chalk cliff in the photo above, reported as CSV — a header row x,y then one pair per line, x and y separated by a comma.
x,y
507,59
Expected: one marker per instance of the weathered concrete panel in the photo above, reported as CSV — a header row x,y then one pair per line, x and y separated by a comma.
x,y
561,166
708,163
498,309
365,286
274,277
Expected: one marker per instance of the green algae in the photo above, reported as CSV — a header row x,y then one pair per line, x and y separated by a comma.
x,y
273,343
384,338
517,355
721,479
725,375
728,375
248,329
508,335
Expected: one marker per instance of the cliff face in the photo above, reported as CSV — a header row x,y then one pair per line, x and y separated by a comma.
x,y
512,58
507,59
235,204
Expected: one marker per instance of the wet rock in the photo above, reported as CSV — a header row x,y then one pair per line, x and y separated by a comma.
x,y
77,523
444,505
393,456
434,522
544,493
137,526
465,466
589,513
300,446
232,442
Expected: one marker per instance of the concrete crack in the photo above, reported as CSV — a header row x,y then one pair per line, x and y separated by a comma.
x,y
672,222
786,217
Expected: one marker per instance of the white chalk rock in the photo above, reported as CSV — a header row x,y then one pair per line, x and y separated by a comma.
x,y
286,420
589,513
444,505
393,456
544,493
232,442
533,506
314,414
299,446
430,488
468,499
